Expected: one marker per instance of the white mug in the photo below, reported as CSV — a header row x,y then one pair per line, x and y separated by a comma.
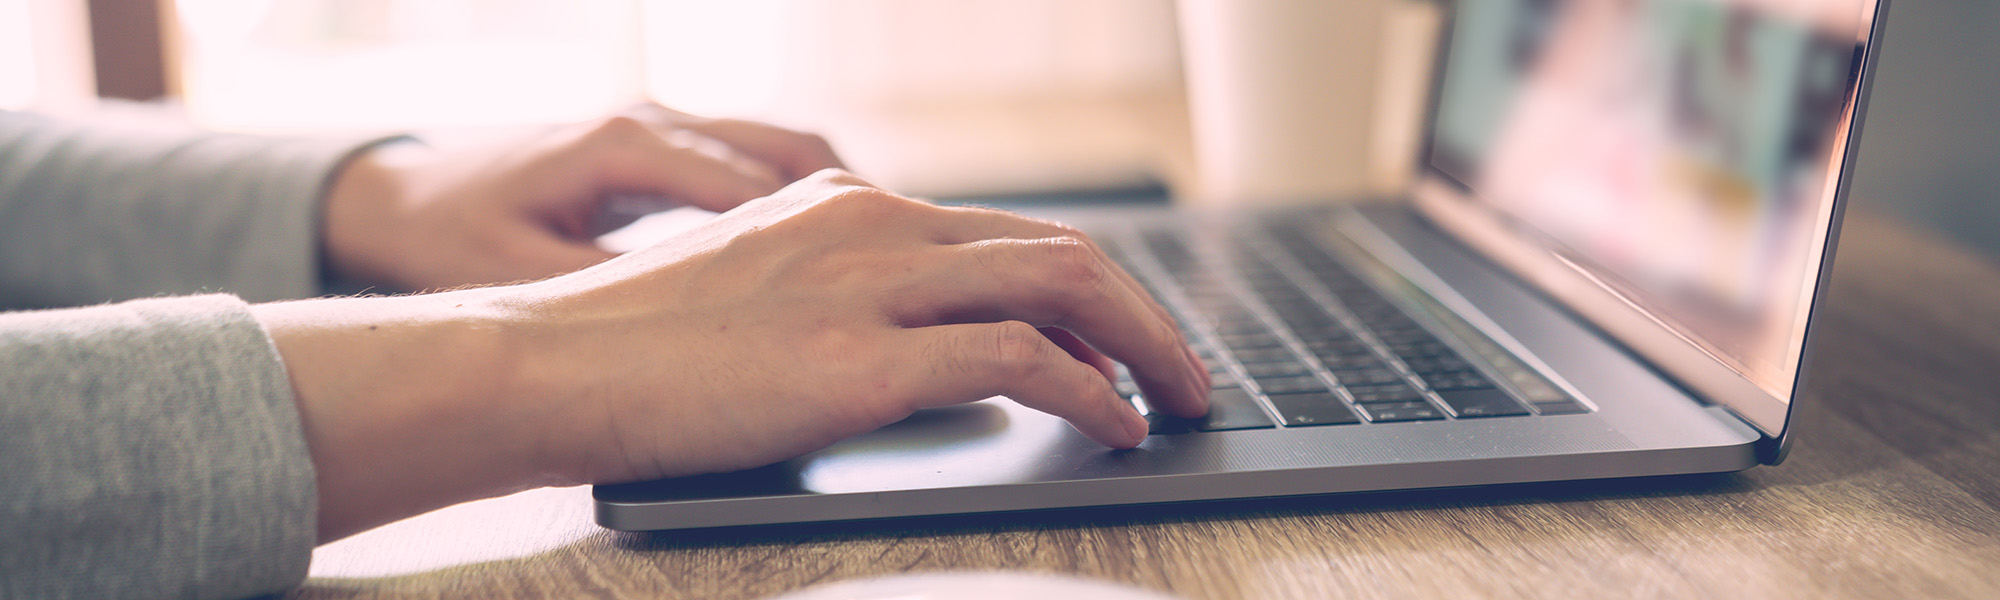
x,y
1281,96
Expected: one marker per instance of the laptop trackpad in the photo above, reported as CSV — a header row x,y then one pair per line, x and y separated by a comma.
x,y
993,441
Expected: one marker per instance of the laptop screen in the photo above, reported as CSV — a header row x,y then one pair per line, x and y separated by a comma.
x,y
1685,153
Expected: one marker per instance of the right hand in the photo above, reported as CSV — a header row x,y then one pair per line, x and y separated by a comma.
x,y
820,312
827,310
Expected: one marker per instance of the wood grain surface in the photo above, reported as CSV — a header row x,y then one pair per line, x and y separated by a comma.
x,y
1892,491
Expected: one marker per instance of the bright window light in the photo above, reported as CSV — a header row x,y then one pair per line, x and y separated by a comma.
x,y
721,58
314,65
17,56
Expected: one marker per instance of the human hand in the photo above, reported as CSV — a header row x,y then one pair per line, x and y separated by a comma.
x,y
820,312
830,309
410,217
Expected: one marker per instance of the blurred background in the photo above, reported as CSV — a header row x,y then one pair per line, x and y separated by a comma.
x,y
960,98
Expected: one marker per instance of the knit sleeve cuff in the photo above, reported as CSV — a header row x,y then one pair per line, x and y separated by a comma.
x,y
154,449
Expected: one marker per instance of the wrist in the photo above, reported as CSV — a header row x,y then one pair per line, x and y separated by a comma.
x,y
409,404
363,206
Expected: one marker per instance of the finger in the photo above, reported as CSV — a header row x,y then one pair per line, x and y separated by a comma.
x,y
744,163
795,153
970,362
1059,282
628,155
529,253
1081,351
978,223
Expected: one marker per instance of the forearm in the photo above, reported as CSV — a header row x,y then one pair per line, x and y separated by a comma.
x,y
101,211
409,404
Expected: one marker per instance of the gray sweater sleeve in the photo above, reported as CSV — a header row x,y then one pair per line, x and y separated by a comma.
x,y
98,212
149,449
152,448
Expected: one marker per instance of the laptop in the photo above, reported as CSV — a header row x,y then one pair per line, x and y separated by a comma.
x,y
1610,267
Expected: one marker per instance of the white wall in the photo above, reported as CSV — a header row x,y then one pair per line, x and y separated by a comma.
x,y
1930,151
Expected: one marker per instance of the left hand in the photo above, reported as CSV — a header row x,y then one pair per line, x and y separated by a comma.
x,y
410,217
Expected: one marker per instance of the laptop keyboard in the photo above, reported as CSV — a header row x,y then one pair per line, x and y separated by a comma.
x,y
1294,338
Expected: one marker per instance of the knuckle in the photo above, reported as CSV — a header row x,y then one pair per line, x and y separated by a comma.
x,y
883,392
982,212
1073,264
866,202
853,197
1067,230
619,128
868,390
1018,348
1166,332
835,176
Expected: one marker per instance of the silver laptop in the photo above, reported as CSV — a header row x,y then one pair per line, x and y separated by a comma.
x,y
1611,267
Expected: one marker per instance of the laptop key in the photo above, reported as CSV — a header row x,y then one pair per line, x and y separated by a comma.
x,y
1420,349
1402,411
1256,340
1344,346
1457,380
1403,336
1375,394
1374,376
1437,364
1351,362
1228,410
1489,402
1263,355
1291,385
1313,409
1274,369
1561,407
1220,380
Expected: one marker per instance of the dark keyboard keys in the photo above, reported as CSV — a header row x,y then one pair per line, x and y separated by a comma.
x,y
1228,410
1377,376
1561,407
1275,369
1402,411
1420,349
1376,394
1351,362
1291,385
1313,409
1376,386
1222,380
1230,327
1489,402
1437,364
1457,380
1252,341
1263,355
1338,346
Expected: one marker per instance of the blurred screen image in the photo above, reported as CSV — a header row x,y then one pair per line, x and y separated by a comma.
x,y
1685,153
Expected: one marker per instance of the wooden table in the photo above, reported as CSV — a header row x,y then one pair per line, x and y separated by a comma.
x,y
1892,491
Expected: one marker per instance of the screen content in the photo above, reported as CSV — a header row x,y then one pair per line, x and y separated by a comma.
x,y
1683,152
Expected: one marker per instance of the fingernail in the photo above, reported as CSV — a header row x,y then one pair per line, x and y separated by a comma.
x,y
1135,428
